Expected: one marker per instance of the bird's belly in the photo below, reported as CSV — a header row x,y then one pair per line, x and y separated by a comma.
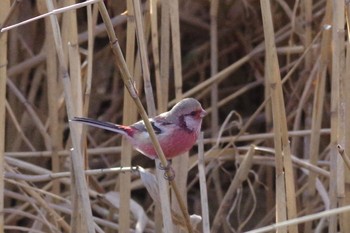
x,y
171,146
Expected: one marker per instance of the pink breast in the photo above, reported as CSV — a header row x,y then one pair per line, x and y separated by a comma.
x,y
172,146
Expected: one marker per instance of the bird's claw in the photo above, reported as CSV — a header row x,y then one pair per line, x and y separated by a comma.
x,y
165,168
169,173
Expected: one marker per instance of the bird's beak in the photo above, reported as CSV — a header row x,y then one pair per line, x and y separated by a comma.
x,y
203,113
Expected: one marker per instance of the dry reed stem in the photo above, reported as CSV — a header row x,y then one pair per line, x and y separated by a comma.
x,y
140,33
180,163
336,186
285,190
163,186
4,11
91,21
308,31
87,68
214,8
318,102
164,56
59,175
203,186
312,71
176,47
129,117
214,99
161,62
345,224
161,103
63,153
85,221
53,106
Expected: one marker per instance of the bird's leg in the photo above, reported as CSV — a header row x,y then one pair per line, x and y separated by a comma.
x,y
169,173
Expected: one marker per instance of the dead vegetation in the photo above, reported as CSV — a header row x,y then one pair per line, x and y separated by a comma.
x,y
273,76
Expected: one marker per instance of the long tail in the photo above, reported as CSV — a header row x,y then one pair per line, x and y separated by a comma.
x,y
124,130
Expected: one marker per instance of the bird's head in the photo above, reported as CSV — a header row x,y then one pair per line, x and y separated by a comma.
x,y
188,113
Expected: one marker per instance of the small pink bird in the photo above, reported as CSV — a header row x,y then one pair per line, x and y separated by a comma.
x,y
177,130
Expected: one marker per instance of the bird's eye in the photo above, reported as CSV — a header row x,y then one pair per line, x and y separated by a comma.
x,y
194,113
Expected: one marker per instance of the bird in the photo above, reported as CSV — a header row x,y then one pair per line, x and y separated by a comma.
x,y
176,130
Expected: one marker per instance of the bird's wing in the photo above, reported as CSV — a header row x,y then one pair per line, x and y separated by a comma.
x,y
157,123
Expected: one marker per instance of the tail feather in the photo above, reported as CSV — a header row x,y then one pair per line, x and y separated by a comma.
x,y
124,130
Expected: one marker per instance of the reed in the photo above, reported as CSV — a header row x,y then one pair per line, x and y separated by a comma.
x,y
272,74
5,14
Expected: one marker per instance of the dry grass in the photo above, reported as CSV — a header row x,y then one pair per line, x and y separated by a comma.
x,y
273,77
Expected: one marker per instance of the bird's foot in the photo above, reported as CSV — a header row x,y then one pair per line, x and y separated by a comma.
x,y
169,173
167,167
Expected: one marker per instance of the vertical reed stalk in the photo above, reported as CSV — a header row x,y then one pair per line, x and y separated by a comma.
x,y
180,163
70,37
214,94
270,193
140,33
53,90
129,117
91,21
163,186
345,224
161,90
162,81
285,190
336,181
203,186
340,53
176,47
214,6
164,55
85,221
4,11
317,110
86,86
308,32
